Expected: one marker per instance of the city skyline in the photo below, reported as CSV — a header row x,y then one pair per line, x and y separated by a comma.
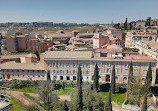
x,y
76,11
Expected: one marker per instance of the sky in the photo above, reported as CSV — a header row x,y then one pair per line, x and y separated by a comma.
x,y
77,11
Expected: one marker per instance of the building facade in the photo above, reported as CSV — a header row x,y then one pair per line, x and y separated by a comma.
x,y
63,65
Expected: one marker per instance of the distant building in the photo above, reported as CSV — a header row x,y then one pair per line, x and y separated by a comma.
x,y
23,71
148,48
140,23
113,33
27,43
132,37
154,22
99,40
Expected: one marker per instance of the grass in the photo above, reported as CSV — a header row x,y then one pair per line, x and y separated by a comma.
x,y
27,90
17,106
119,98
66,91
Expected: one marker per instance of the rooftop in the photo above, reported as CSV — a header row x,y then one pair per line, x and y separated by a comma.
x,y
16,56
22,66
68,54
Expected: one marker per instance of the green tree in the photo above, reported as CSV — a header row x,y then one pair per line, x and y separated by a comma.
x,y
148,21
130,26
113,80
130,80
148,79
144,106
108,106
117,26
125,25
48,76
79,101
37,54
65,106
96,79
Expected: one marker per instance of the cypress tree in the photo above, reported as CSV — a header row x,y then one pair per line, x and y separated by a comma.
x,y
113,80
96,79
144,106
130,26
130,80
79,101
148,79
108,106
48,76
125,24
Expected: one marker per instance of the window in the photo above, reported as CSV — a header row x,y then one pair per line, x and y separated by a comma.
x,y
82,72
67,71
100,69
135,64
67,77
74,64
81,64
152,71
87,64
61,71
54,71
74,72
54,77
60,64
38,75
134,71
125,78
61,77
144,71
126,71
99,63
87,72
144,65
67,64
116,64
107,78
108,64
108,70
117,71
54,64
93,63
33,76
43,75
152,65
23,75
126,64
74,77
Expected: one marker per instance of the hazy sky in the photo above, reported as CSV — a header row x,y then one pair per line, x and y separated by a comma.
x,y
78,11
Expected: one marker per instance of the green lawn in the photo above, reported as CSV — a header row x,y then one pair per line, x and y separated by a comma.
x,y
17,105
27,90
119,98
66,91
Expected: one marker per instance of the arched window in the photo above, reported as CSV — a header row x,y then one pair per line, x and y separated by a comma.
x,y
107,78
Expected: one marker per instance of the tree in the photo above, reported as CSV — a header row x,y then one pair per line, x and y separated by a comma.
x,y
144,106
108,106
148,79
113,80
130,80
65,106
48,76
79,102
130,26
96,79
37,54
125,25
148,21
117,26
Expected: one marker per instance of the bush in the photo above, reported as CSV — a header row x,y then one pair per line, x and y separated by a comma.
x,y
104,87
154,90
